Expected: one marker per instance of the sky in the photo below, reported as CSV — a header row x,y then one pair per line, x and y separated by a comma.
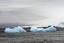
x,y
28,11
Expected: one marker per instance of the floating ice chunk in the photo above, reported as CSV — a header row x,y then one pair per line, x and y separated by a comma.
x,y
61,25
51,29
14,30
20,29
39,30
35,29
44,30
11,31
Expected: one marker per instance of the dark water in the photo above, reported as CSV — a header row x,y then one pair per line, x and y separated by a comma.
x,y
29,37
4,25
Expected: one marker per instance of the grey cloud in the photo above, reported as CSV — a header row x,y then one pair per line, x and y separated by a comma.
x,y
34,2
23,15
19,15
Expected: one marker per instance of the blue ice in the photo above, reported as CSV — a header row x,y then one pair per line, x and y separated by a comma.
x,y
35,29
14,30
49,29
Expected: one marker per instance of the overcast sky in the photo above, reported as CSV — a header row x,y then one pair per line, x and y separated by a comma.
x,y
25,11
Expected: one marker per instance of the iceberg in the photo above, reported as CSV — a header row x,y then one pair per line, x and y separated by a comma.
x,y
20,29
45,30
61,25
14,30
35,29
51,29
11,31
